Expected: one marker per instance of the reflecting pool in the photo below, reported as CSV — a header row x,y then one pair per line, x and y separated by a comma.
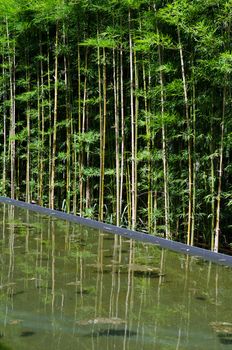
x,y
65,286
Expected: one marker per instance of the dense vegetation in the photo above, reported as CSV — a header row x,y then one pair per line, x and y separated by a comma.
x,y
121,111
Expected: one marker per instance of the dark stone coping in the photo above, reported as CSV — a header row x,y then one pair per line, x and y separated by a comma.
x,y
218,258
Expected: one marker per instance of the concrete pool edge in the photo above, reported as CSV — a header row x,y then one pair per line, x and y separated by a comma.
x,y
218,258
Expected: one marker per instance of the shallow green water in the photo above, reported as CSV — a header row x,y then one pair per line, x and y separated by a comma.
x,y
65,286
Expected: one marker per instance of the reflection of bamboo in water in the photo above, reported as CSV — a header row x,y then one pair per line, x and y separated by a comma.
x,y
11,214
27,233
3,222
119,277
162,269
116,260
113,275
67,237
209,274
132,280
128,294
3,237
38,258
216,290
53,264
48,260
81,286
81,279
178,338
27,241
187,263
3,265
142,302
189,296
41,251
66,251
53,281
10,275
99,282
37,275
79,269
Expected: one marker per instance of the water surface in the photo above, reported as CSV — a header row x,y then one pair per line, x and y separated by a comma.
x,y
66,286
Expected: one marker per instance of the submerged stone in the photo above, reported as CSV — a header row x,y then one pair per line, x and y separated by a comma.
x,y
115,332
148,274
225,340
136,267
74,283
200,297
222,327
15,322
101,321
18,293
84,291
224,335
145,271
27,334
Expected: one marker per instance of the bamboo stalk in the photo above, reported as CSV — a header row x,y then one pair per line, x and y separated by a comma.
x,y
218,209
28,196
212,190
11,62
122,131
53,163
194,166
133,131
41,171
117,160
189,137
164,148
4,128
68,125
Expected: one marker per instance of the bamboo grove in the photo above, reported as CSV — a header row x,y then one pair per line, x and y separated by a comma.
x,y
120,111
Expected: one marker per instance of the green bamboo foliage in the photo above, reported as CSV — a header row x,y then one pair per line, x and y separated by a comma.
x,y
119,111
